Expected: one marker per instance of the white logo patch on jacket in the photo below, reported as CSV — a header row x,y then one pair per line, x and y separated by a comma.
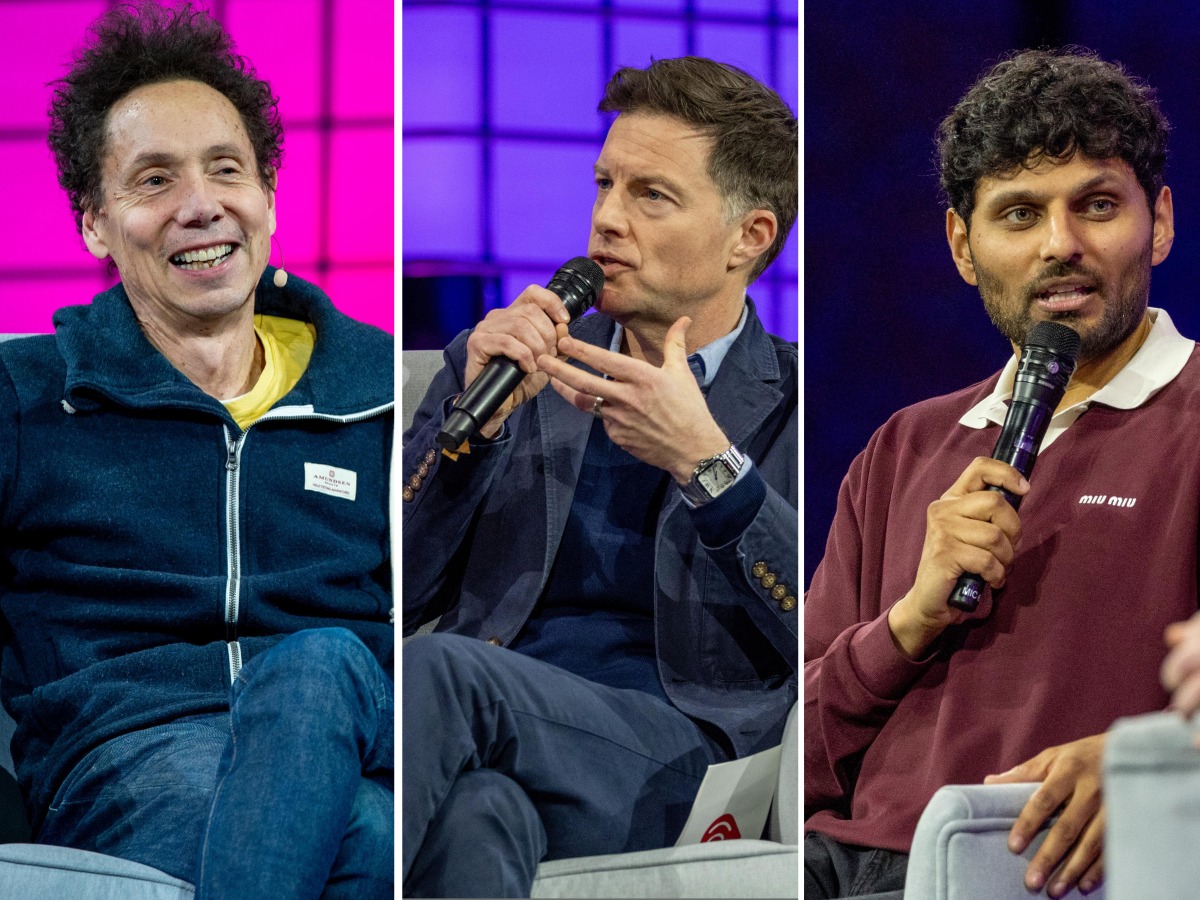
x,y
330,480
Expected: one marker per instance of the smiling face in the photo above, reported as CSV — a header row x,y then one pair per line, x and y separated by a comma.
x,y
183,213
659,226
1070,241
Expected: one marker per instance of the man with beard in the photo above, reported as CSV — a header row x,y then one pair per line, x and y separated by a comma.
x,y
1052,166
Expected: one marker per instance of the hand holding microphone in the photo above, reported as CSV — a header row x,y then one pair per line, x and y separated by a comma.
x,y
974,527
502,351
1047,362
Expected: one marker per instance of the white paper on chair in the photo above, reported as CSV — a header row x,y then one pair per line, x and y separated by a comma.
x,y
734,800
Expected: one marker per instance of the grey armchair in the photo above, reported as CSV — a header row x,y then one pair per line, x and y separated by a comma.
x,y
740,868
1152,797
1152,788
960,849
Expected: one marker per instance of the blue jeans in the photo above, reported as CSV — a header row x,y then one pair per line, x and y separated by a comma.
x,y
833,869
509,760
289,795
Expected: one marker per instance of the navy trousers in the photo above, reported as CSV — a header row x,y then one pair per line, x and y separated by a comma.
x,y
509,760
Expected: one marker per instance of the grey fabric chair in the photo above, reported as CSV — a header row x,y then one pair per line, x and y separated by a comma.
x,y
36,872
1152,796
960,849
1152,786
741,868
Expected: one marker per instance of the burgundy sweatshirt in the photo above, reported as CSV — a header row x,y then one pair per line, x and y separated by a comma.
x,y
1108,557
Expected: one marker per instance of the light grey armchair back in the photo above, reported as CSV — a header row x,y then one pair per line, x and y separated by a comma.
x,y
418,369
1152,791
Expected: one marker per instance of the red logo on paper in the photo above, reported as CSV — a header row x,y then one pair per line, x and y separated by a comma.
x,y
723,828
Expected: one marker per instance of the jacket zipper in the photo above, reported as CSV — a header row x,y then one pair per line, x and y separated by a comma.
x,y
233,527
233,537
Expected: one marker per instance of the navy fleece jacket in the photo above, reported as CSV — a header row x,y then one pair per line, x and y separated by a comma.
x,y
148,546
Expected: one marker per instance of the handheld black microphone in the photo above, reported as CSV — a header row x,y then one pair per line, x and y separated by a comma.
x,y
578,284
1047,362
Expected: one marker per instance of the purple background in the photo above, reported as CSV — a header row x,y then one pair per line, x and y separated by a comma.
x,y
501,129
330,64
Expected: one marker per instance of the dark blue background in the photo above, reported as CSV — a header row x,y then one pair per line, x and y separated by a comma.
x,y
887,320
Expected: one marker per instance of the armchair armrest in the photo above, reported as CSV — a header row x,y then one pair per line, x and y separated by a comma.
x,y
1152,788
417,370
784,822
960,850
741,868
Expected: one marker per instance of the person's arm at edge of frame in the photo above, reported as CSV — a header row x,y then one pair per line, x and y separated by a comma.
x,y
442,492
9,448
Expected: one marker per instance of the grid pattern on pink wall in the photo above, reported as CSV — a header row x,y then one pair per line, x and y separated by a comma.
x,y
330,62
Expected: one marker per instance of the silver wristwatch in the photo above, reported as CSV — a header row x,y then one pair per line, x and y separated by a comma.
x,y
713,476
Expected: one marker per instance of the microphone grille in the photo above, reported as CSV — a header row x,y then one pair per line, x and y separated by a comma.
x,y
578,282
589,270
1056,337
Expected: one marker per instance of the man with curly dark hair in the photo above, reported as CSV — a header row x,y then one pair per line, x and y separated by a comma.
x,y
1052,165
195,579
148,48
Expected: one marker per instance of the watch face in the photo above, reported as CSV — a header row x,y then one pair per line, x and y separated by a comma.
x,y
715,478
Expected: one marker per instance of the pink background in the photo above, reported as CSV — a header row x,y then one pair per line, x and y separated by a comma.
x,y
330,64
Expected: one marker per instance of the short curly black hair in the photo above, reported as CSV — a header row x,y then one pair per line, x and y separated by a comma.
x,y
1037,104
755,137
140,44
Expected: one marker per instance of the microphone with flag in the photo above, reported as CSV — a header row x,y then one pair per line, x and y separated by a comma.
x,y
1047,362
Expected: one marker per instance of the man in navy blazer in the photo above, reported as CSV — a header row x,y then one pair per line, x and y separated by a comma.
x,y
616,591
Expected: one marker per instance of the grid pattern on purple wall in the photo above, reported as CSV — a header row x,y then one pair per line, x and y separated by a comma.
x,y
330,62
500,126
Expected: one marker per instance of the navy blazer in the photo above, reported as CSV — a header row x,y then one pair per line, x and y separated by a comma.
x,y
480,535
